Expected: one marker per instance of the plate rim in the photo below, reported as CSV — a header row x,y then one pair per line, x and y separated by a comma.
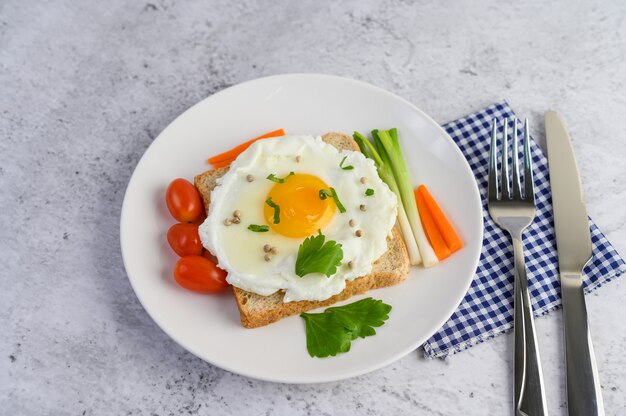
x,y
316,379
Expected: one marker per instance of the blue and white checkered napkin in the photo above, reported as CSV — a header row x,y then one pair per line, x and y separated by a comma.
x,y
487,309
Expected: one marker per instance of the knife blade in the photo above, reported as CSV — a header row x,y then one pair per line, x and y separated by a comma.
x,y
570,215
574,250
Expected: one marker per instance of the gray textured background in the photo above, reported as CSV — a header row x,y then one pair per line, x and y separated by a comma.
x,y
85,87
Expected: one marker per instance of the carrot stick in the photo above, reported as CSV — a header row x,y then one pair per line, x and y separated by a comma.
x,y
222,164
432,232
232,154
452,239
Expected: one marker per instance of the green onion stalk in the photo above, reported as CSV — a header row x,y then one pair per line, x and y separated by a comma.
x,y
387,143
386,174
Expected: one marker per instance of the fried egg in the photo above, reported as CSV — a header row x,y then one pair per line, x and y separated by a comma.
x,y
300,166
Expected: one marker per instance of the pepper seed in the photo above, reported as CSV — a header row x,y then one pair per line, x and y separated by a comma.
x,y
236,220
227,222
237,213
249,178
267,257
358,233
267,248
273,250
298,159
351,223
363,179
350,264
362,207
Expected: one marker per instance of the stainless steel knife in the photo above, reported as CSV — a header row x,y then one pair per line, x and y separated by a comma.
x,y
573,242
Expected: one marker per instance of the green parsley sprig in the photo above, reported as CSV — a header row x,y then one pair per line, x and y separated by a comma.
x,y
316,255
332,332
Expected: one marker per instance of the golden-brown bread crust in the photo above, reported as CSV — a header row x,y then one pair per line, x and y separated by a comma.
x,y
205,182
256,310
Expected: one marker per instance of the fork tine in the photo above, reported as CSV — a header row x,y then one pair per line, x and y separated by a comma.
x,y
529,193
517,191
492,186
504,162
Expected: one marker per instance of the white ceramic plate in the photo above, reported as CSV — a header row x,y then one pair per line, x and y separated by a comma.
x,y
208,325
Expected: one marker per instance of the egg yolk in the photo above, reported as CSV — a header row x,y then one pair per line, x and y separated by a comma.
x,y
302,212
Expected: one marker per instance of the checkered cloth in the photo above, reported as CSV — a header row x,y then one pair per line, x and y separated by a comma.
x,y
487,309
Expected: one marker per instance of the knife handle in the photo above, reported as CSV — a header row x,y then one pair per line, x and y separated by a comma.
x,y
529,390
584,397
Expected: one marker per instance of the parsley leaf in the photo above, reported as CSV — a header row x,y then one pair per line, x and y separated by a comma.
x,y
361,317
325,335
331,332
325,193
276,179
258,228
317,256
349,167
272,204
369,192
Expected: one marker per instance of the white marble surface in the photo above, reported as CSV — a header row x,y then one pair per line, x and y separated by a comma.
x,y
84,88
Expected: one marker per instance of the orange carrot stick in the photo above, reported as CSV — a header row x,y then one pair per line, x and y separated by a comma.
x,y
432,232
452,239
222,164
232,154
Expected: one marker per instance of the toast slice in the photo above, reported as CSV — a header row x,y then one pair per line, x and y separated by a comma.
x,y
256,310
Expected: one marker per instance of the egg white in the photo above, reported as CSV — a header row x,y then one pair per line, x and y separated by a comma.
x,y
240,251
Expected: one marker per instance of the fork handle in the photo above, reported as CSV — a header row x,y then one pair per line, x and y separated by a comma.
x,y
529,390
584,397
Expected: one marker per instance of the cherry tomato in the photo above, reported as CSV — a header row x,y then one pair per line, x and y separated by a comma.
x,y
183,201
184,239
208,255
199,274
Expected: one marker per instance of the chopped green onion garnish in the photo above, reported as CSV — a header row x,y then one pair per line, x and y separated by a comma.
x,y
276,209
369,192
325,193
276,179
258,228
349,167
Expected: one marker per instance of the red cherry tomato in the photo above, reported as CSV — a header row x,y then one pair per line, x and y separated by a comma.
x,y
183,201
184,239
208,255
199,274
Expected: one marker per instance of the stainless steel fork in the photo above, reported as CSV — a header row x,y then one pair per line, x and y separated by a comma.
x,y
514,210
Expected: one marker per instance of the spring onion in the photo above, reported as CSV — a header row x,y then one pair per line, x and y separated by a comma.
x,y
276,208
349,167
388,145
386,174
324,193
258,228
276,179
